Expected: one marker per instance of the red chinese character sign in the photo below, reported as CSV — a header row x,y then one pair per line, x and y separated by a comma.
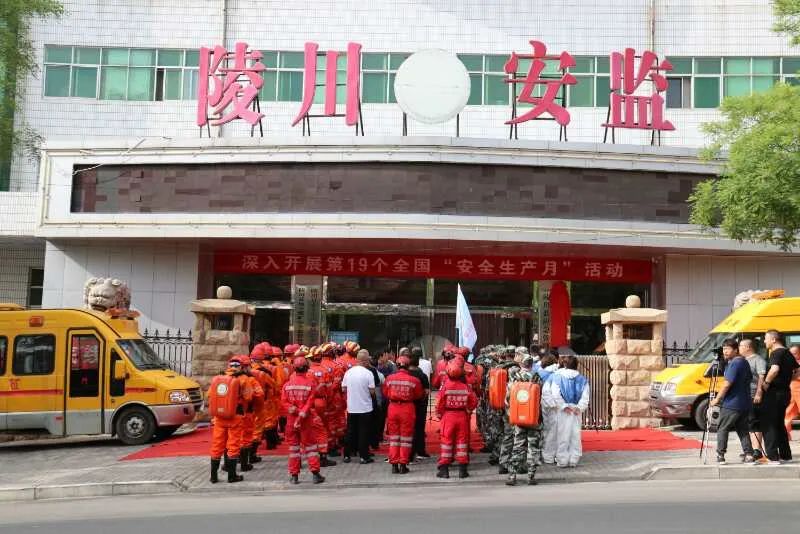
x,y
550,102
228,86
352,112
454,267
636,101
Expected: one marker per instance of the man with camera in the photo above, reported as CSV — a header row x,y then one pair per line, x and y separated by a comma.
x,y
736,402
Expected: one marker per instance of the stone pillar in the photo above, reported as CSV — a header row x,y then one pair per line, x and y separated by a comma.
x,y
634,341
221,329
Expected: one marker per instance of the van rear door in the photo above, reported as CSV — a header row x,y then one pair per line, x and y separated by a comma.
x,y
84,399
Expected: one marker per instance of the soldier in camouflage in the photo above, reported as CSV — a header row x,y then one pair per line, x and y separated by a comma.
x,y
506,429
487,359
526,450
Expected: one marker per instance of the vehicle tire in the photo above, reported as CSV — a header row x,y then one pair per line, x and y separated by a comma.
x,y
699,413
135,426
163,432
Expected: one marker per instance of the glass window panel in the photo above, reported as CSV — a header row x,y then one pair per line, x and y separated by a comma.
x,y
495,90
35,297
375,61
523,66
476,90
58,54
706,92
793,81
395,60
34,354
766,65
140,84
680,65
172,84
190,84
169,58
319,94
115,56
791,65
113,83
602,64
707,65
87,56
551,67
473,62
290,86
484,292
377,290
143,57
392,98
291,60
495,63
737,65
583,64
84,82
602,90
737,85
341,62
269,92
581,95
269,59
763,83
375,88
192,58
674,92
56,81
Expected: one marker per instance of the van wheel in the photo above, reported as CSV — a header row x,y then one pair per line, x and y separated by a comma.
x,y
699,414
135,426
163,432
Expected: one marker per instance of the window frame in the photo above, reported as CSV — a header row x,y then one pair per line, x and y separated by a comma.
x,y
31,286
14,367
3,354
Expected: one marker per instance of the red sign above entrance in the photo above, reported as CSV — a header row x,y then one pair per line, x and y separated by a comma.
x,y
455,267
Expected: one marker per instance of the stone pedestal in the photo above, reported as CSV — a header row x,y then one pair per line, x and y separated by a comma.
x,y
634,341
221,329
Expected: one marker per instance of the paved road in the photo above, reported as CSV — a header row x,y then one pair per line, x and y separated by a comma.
x,y
619,508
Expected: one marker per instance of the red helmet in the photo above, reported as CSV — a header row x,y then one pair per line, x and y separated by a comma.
x,y
276,352
462,351
299,363
403,361
454,370
235,361
290,348
260,351
245,359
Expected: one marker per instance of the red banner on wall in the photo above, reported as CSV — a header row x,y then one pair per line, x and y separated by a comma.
x,y
454,267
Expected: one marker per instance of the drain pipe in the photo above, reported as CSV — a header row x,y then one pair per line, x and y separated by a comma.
x,y
224,43
652,23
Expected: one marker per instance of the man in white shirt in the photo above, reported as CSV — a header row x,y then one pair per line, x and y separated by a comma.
x,y
426,367
359,385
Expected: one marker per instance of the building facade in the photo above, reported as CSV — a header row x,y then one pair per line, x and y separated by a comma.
x,y
367,236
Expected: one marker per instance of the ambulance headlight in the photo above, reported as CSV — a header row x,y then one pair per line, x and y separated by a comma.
x,y
177,397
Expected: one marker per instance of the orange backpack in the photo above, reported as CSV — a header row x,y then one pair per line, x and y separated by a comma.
x,y
498,383
524,402
223,396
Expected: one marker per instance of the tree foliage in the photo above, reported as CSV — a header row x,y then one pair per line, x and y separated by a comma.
x,y
787,13
17,61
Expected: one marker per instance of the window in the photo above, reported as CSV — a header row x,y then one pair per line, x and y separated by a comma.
x,y
378,75
3,353
35,285
84,370
34,354
120,73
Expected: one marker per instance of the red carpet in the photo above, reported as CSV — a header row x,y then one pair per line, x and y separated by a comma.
x,y
197,443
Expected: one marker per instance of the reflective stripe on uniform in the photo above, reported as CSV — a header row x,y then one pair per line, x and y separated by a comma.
x,y
402,382
295,387
457,392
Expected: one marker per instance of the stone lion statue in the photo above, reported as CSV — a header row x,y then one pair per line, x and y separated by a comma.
x,y
102,294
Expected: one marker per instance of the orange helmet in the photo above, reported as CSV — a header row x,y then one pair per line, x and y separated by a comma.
x,y
235,362
315,353
245,359
328,349
403,361
462,351
351,346
299,363
454,370
301,351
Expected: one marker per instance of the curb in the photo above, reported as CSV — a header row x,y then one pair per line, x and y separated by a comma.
x,y
77,491
727,472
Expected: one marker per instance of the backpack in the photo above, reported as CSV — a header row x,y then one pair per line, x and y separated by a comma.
x,y
524,404
223,396
498,384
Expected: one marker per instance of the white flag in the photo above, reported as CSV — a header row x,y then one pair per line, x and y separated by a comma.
x,y
467,336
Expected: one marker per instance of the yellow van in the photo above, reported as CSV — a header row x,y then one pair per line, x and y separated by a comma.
x,y
681,391
71,371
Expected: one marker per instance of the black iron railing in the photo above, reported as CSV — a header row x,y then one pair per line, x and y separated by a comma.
x,y
676,354
174,348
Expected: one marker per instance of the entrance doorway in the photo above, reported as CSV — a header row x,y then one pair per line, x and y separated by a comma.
x,y
271,324
376,331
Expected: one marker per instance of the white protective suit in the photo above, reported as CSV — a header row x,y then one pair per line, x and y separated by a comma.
x,y
567,425
549,436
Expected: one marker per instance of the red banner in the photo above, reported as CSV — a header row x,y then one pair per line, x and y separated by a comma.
x,y
453,267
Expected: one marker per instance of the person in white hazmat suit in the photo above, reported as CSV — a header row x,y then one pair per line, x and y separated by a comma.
x,y
567,392
548,366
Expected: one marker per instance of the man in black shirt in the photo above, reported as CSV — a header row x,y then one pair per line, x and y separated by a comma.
x,y
421,405
782,366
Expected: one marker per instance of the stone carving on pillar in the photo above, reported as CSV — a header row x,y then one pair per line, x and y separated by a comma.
x,y
221,329
634,342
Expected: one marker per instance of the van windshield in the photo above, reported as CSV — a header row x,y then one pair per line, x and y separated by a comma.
x,y
141,354
704,352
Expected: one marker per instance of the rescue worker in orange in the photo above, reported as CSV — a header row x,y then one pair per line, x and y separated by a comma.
x,y
288,356
335,414
321,404
255,405
297,397
348,358
440,373
471,374
454,405
264,373
280,375
401,389
228,396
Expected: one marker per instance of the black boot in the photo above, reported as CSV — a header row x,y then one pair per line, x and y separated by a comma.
x,y
317,478
254,457
395,469
214,469
232,476
294,479
503,470
443,471
462,471
272,438
244,458
512,480
404,469
324,462
225,461
333,453
493,461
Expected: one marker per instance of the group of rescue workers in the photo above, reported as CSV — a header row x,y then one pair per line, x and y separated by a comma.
x,y
528,408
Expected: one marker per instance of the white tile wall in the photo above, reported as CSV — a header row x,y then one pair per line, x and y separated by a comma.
x,y
151,270
17,258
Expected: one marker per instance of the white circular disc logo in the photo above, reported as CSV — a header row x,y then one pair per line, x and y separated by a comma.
x,y
522,395
432,86
222,389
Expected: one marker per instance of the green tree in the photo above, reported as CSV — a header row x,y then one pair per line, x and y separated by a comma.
x,y
756,198
17,61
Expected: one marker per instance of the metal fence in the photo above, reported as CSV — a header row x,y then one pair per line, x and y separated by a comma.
x,y
174,349
676,354
596,369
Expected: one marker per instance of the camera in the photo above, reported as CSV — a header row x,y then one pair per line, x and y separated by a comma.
x,y
718,364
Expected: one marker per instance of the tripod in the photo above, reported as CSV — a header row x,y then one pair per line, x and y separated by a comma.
x,y
713,411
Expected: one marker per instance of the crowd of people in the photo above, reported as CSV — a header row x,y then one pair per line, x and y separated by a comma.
x,y
336,400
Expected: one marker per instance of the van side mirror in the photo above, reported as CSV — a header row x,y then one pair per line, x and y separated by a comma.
x,y
120,371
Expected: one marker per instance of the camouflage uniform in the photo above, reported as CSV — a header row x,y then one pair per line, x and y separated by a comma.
x,y
526,450
487,361
505,429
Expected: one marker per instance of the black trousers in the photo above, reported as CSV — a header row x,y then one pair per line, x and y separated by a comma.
x,y
378,424
359,432
734,420
776,440
421,407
